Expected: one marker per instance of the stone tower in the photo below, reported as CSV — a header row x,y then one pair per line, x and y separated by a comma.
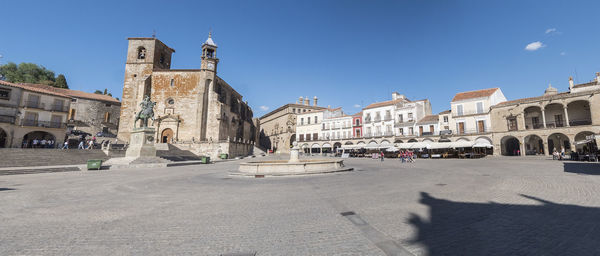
x,y
209,55
211,114
143,56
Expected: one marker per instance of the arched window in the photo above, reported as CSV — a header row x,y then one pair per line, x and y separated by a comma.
x,y
141,53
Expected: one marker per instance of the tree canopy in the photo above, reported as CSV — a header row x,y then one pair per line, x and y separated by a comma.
x,y
31,73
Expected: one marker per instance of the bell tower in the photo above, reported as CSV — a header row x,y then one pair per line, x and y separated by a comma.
x,y
209,55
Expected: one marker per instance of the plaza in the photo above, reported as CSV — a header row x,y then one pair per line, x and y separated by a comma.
x,y
492,206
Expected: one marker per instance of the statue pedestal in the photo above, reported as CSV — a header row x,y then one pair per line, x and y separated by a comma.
x,y
141,143
294,155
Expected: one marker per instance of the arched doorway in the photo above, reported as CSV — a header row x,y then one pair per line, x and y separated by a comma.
x,y
534,145
585,142
166,136
336,146
3,137
412,140
558,142
29,138
510,146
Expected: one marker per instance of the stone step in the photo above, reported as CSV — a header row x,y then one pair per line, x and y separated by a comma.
x,y
10,157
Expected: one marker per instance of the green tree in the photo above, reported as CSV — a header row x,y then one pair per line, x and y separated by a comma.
x,y
61,82
105,91
28,73
98,92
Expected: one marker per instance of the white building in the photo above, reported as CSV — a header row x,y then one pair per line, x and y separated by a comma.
x,y
471,110
336,126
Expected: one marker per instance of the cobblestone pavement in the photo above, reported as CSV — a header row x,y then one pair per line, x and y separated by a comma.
x,y
495,206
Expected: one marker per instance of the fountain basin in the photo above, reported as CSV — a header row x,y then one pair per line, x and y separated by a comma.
x,y
284,167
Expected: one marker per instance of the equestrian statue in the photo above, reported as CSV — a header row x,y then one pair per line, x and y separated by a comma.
x,y
147,112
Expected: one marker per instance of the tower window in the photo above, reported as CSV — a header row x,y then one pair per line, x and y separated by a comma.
x,y
141,53
172,82
162,59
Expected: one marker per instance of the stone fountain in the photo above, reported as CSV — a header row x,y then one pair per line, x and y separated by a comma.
x,y
294,166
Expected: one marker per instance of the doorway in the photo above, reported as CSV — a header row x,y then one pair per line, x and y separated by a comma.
x,y
166,136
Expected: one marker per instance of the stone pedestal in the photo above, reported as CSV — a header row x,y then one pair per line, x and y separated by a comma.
x,y
294,153
141,143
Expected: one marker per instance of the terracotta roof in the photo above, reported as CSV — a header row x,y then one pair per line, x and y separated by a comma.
x,y
445,112
429,119
384,103
358,114
37,88
87,95
474,94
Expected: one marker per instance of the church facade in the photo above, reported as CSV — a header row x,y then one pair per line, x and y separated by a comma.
x,y
196,110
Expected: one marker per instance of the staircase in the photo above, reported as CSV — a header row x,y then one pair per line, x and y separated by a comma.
x,y
172,153
20,157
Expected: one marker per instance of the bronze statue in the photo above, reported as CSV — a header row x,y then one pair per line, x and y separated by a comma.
x,y
147,112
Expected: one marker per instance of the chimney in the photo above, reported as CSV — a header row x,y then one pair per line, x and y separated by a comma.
x,y
598,77
395,95
570,83
315,101
306,101
301,100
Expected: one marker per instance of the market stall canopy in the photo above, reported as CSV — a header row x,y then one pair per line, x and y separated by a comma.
x,y
392,149
482,143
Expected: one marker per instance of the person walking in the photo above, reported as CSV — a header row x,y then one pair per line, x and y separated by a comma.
x,y
562,153
90,144
66,145
410,157
81,143
35,143
381,154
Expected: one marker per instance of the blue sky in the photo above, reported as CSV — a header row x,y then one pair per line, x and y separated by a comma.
x,y
347,53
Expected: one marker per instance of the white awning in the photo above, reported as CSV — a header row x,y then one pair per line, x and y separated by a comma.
x,y
482,143
462,144
392,149
440,145
326,145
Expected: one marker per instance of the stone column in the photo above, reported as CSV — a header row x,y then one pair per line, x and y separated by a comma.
x,y
566,116
522,147
544,118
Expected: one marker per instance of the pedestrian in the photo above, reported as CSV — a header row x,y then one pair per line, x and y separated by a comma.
x,y
35,143
90,144
382,156
403,156
81,144
66,145
25,143
562,153
410,157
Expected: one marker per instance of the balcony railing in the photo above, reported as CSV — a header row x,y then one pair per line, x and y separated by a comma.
x,y
356,125
377,119
387,118
7,119
471,112
466,132
367,121
580,122
388,133
404,123
45,124
53,107
33,104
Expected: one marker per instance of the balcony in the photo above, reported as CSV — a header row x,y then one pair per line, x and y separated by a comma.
x,y
33,104
387,118
59,108
580,122
404,123
388,133
356,125
44,124
469,132
367,121
7,119
377,119
468,113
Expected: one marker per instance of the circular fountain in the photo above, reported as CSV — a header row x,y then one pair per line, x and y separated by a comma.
x,y
294,166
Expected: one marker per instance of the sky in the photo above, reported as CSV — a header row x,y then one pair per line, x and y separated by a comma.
x,y
347,53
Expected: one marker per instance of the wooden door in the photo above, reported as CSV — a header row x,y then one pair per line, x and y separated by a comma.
x,y
480,126
461,128
420,130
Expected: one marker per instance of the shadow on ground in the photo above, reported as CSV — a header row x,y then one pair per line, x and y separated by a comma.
x,y
6,189
582,168
459,228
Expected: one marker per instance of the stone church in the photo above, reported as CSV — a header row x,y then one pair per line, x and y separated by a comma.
x,y
196,110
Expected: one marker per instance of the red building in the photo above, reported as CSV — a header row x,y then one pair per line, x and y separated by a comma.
x,y
357,122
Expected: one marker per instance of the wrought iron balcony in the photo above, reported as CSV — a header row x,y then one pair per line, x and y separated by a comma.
x,y
7,119
45,124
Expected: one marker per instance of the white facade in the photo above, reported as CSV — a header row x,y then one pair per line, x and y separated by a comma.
x,y
472,115
336,128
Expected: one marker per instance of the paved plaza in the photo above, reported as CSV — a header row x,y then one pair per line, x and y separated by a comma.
x,y
493,206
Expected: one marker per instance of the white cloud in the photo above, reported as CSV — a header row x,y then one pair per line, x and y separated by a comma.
x,y
534,46
550,30
356,106
563,53
264,108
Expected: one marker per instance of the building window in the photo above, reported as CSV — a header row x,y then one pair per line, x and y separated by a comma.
x,y
315,136
308,136
461,127
72,114
401,118
107,105
107,117
410,117
479,107
410,131
445,119
459,110
512,123
4,94
316,120
431,129
401,131
161,60
141,53
172,82
301,121
308,120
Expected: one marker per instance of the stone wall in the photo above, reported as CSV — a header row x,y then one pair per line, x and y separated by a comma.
x,y
90,115
215,149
